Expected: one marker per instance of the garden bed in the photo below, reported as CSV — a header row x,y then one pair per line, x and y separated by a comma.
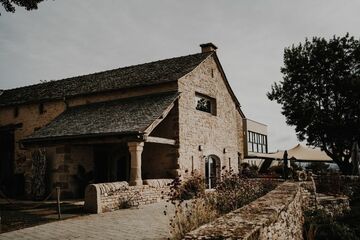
x,y
233,191
276,215
333,219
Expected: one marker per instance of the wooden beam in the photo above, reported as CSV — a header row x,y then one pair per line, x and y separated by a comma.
x,y
83,141
160,140
152,126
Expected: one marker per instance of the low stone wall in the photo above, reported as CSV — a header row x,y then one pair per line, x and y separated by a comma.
x,y
105,197
277,215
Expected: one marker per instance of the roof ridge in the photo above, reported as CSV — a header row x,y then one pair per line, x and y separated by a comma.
x,y
49,82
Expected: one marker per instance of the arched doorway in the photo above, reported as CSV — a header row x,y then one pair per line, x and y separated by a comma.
x,y
212,171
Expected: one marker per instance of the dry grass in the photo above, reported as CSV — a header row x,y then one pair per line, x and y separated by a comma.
x,y
232,191
190,215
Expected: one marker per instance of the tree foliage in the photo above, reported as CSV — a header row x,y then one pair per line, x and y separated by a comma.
x,y
9,5
320,94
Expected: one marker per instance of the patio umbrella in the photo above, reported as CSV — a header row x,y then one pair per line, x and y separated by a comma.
x,y
355,158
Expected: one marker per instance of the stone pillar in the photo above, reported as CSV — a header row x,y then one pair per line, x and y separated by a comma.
x,y
135,149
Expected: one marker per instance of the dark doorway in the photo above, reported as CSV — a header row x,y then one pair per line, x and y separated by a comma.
x,y
212,171
112,163
7,162
122,166
101,161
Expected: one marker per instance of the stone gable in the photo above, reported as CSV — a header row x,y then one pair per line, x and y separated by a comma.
x,y
219,134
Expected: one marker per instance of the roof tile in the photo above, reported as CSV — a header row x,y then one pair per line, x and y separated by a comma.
x,y
146,74
124,116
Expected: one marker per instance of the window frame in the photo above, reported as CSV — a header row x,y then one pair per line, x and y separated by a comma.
x,y
257,142
211,100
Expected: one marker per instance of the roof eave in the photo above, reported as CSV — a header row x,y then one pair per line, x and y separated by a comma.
x,y
86,94
237,103
28,142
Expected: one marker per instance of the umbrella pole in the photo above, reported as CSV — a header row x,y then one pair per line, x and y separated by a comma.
x,y
286,169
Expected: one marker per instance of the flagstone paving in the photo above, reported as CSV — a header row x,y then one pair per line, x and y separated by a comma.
x,y
145,222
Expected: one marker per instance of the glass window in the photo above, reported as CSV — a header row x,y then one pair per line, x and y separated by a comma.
x,y
257,142
205,104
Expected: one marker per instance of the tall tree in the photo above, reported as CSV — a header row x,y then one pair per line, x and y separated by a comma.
x,y
320,94
9,5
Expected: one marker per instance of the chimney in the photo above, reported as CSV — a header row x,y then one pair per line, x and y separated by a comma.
x,y
208,47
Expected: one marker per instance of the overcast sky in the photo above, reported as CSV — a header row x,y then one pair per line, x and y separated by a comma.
x,y
65,38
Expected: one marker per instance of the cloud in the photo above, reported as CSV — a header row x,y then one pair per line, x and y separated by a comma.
x,y
72,37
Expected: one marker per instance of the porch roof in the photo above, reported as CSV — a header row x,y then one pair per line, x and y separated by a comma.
x,y
128,116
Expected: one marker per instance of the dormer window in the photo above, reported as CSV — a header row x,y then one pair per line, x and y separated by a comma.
x,y
205,103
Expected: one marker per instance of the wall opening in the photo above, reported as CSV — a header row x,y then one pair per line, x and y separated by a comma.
x,y
7,179
111,163
212,171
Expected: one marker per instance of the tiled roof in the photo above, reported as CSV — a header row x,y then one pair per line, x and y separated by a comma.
x,y
124,116
146,74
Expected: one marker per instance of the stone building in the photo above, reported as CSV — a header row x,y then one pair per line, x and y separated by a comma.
x,y
149,121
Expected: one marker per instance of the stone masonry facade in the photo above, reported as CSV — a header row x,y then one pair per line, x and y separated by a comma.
x,y
219,134
106,197
31,120
191,135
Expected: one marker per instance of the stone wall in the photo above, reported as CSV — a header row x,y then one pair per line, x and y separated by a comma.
x,y
105,197
219,134
31,119
160,160
277,215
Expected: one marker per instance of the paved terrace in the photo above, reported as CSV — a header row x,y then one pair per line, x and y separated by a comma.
x,y
146,222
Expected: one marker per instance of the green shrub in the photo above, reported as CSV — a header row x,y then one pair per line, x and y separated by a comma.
x,y
321,226
331,184
318,167
277,170
232,191
235,191
193,187
129,201
249,171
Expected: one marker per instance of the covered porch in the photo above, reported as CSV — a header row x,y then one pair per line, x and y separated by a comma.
x,y
124,140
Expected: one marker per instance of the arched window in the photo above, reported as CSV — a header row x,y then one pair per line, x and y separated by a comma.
x,y
212,171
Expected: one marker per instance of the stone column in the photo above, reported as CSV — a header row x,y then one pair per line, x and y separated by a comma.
x,y
135,149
